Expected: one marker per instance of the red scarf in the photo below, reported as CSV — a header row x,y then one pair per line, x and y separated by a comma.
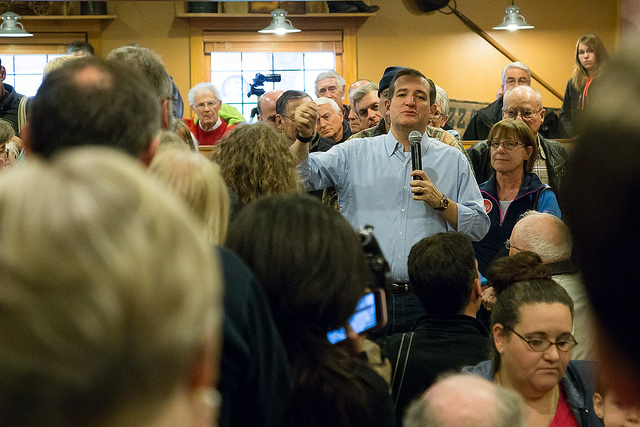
x,y
585,91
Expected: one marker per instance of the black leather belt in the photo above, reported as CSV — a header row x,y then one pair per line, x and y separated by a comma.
x,y
400,288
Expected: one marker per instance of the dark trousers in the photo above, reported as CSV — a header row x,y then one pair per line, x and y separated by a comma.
x,y
403,309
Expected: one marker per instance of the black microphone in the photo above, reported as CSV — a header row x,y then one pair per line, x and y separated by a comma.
x,y
415,138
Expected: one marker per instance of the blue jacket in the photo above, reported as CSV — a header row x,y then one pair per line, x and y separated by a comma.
x,y
533,195
577,383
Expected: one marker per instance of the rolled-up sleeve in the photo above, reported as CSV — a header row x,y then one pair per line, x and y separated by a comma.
x,y
322,169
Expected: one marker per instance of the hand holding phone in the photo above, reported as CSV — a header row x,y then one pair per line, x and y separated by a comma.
x,y
371,314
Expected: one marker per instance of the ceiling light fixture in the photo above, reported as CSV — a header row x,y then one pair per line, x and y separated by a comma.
x,y
280,24
10,26
513,20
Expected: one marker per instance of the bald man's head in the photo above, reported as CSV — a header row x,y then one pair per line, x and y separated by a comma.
x,y
466,400
543,234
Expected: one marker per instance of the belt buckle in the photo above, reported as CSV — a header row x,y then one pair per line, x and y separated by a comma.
x,y
400,288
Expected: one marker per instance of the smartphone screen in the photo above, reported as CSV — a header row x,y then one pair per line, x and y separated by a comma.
x,y
362,320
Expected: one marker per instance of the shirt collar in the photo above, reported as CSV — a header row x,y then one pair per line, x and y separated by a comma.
x,y
392,145
216,126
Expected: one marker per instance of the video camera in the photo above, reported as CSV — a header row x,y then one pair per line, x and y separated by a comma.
x,y
259,81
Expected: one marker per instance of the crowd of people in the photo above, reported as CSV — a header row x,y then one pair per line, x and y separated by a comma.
x,y
144,283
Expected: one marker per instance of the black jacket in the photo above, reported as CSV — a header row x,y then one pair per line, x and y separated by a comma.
x,y
254,380
440,343
9,107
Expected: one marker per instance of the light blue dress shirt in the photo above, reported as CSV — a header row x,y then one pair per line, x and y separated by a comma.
x,y
371,176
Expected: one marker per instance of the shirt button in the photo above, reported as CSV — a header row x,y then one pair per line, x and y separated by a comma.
x,y
399,257
402,210
405,187
400,233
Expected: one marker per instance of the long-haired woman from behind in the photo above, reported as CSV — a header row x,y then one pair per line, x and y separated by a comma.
x,y
590,57
311,265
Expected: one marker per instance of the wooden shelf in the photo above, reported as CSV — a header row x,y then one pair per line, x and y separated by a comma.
x,y
65,23
66,17
268,15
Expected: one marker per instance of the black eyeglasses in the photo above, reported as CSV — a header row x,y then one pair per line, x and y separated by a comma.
x,y
508,245
540,344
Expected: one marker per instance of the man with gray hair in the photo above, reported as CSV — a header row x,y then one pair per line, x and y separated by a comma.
x,y
331,124
513,75
208,127
148,63
366,105
331,85
466,400
354,121
441,116
550,238
525,103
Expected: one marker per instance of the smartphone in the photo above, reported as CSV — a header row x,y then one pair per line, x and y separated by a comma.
x,y
371,314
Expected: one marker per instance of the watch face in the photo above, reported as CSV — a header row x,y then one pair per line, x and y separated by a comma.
x,y
444,203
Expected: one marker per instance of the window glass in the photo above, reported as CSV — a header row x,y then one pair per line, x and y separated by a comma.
x,y
223,61
233,73
288,60
24,72
320,61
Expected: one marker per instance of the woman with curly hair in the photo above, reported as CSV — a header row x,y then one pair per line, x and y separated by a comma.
x,y
255,160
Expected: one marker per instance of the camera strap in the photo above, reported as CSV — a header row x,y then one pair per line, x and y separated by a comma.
x,y
401,366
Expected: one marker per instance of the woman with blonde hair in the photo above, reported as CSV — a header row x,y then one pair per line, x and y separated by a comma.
x,y
590,56
255,160
198,182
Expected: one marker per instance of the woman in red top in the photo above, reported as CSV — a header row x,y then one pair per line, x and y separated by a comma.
x,y
590,56
531,323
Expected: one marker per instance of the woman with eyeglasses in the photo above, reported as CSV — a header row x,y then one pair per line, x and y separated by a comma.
x,y
531,323
590,56
512,189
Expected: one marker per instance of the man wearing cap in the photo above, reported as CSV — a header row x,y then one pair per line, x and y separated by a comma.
x,y
377,185
385,124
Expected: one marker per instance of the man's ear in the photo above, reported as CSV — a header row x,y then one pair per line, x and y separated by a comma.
x,y
279,121
165,112
147,156
433,109
477,288
3,73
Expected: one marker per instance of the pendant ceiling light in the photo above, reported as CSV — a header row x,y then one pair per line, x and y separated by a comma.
x,y
280,24
513,20
10,26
